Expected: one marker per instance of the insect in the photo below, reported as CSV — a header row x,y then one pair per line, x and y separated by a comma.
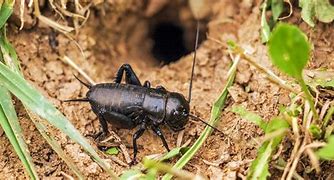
x,y
135,104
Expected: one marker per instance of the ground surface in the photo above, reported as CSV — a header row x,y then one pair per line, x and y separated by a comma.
x,y
109,40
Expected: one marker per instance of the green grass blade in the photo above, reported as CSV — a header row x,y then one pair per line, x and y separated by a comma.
x,y
38,104
166,168
54,144
277,8
5,12
9,54
250,116
259,167
10,58
265,29
174,152
328,116
12,128
215,114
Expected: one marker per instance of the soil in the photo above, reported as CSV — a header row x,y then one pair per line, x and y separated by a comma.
x,y
118,32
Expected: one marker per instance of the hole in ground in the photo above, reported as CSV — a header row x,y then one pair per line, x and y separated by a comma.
x,y
159,39
172,33
168,42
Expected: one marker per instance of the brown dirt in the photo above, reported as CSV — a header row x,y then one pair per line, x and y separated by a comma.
x,y
114,35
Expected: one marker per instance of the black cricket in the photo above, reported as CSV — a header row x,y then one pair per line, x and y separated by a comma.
x,y
132,104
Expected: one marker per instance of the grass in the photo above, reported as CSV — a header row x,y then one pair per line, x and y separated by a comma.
x,y
290,51
35,102
274,131
10,124
37,106
8,118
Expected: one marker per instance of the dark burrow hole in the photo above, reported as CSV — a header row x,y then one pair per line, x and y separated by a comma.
x,y
168,42
173,34
172,41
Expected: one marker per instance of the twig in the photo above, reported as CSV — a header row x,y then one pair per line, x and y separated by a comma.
x,y
328,116
118,161
295,130
324,110
270,75
66,176
123,148
279,152
313,159
296,160
179,138
295,175
22,6
271,135
290,12
77,68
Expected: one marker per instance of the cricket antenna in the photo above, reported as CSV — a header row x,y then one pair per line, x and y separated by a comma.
x,y
85,84
77,100
194,62
201,120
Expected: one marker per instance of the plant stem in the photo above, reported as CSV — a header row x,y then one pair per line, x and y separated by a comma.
x,y
270,75
328,116
308,97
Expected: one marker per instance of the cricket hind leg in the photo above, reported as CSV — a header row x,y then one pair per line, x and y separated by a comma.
x,y
130,75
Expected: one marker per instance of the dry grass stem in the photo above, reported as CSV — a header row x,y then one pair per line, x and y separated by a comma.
x,y
69,61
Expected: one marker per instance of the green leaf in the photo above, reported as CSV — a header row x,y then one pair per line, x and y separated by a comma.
x,y
112,151
38,104
152,174
289,49
174,152
5,12
327,152
231,44
132,174
324,11
265,29
319,9
315,131
308,11
276,8
259,167
250,116
10,124
276,124
215,114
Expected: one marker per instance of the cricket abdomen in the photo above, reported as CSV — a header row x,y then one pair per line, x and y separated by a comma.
x,y
116,97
